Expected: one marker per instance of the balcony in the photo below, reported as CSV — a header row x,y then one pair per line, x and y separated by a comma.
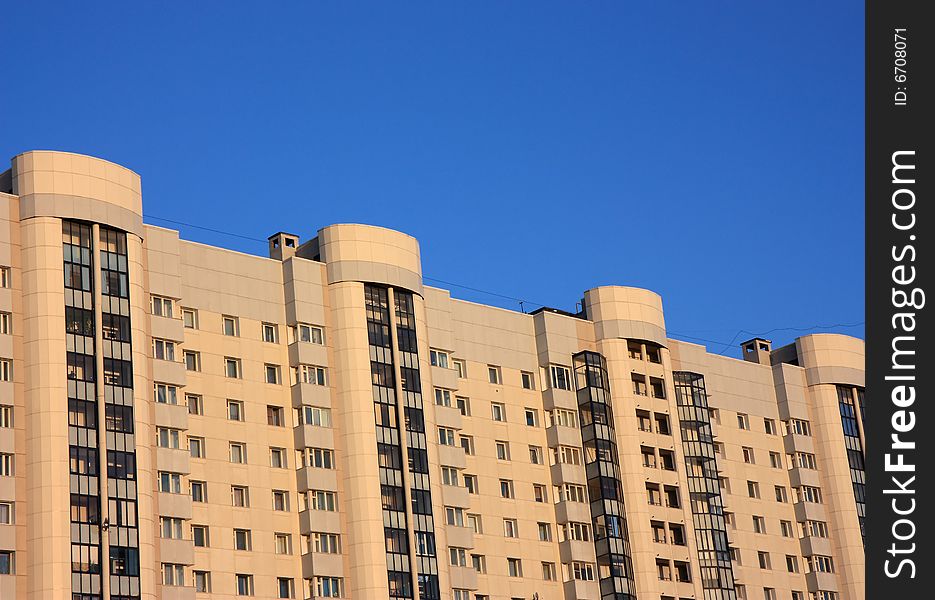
x,y
169,371
311,395
311,478
319,520
452,456
304,353
558,435
326,565
448,416
172,415
174,505
444,378
576,550
314,437
463,578
174,460
180,552
453,495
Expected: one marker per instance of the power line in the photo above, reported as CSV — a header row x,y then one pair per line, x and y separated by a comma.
x,y
522,302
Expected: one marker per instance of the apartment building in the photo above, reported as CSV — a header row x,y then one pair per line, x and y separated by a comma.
x,y
182,421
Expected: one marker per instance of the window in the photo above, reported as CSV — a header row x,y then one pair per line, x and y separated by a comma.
x,y
6,513
677,533
5,279
503,450
792,564
163,349
173,575
235,410
807,493
639,384
748,455
438,358
192,360
662,424
467,444
457,557
270,333
635,350
576,531
6,322
461,594
170,483
814,529
442,397
653,496
819,564
724,484
286,587
329,587
581,571
498,411
769,425
243,539
272,374
162,307
476,523
238,452
170,528
310,374
775,460
327,543
769,593
230,326
200,536
319,458
277,458
644,421
165,394
785,527
759,524
560,377
514,567
460,367
682,571
509,528
232,369
464,405
446,436
567,455
672,496
314,415
309,334
803,460
657,387
195,404
753,489
281,500
6,416
799,427
563,418
240,496
470,482
743,421
532,417
781,495
763,558
321,500
244,584
571,492
167,438
535,455
199,491
454,516
539,493
493,375
190,318
275,416
667,460
659,531
663,569
449,476
545,532
529,383
202,581
506,488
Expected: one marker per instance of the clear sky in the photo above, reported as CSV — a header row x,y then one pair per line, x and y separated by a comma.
x,y
710,151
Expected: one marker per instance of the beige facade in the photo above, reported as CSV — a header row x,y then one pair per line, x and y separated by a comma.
x,y
184,421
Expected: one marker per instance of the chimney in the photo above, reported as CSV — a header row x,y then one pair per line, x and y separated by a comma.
x,y
282,245
757,350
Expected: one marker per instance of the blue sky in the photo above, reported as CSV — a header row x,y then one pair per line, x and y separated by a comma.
x,y
712,152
